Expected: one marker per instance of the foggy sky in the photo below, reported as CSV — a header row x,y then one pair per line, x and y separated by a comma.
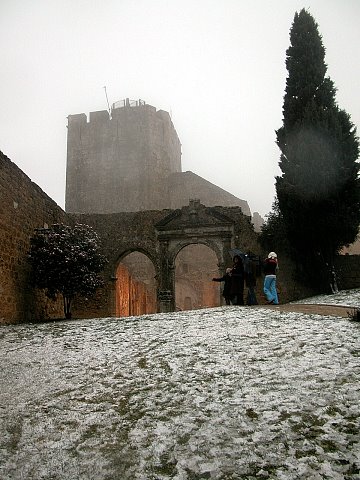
x,y
217,66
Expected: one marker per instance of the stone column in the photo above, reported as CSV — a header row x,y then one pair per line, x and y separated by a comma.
x,y
165,298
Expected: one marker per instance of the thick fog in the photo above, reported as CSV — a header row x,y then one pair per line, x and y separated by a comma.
x,y
218,67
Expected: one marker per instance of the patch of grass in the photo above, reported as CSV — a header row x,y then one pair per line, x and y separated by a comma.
x,y
305,453
184,439
194,476
328,446
91,431
308,425
269,471
332,410
167,466
285,415
14,432
350,428
252,414
352,470
142,363
166,366
123,406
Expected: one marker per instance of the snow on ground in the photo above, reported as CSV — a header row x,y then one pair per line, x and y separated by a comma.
x,y
223,393
346,298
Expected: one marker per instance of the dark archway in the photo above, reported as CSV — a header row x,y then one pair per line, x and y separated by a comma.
x,y
195,266
135,290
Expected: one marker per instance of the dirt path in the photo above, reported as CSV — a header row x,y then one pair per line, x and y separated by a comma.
x,y
334,310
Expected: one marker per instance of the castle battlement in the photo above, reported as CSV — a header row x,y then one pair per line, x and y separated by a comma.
x,y
120,110
101,116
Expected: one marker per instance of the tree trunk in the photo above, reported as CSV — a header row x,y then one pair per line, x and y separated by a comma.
x,y
67,306
333,279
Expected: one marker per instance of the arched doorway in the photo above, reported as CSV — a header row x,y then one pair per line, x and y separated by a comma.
x,y
135,286
195,266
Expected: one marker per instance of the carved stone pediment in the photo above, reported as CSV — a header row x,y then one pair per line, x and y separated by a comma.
x,y
195,218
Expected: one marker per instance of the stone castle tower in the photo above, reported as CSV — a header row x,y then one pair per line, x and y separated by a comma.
x,y
122,162
131,161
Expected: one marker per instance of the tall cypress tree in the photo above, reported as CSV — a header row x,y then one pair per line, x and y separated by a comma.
x,y
319,189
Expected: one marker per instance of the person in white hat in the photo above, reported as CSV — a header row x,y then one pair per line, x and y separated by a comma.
x,y
270,268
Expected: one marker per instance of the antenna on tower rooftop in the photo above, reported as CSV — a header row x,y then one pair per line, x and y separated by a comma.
x,y
109,110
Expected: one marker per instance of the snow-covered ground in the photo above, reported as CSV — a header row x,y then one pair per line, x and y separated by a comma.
x,y
223,393
347,298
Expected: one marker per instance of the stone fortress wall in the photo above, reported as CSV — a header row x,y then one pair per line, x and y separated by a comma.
x,y
23,208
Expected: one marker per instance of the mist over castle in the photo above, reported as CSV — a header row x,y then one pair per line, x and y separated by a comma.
x,y
129,159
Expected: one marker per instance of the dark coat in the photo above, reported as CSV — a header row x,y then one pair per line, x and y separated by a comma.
x,y
226,293
250,272
237,277
270,266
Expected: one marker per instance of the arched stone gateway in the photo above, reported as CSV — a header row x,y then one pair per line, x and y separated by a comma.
x,y
194,224
160,236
